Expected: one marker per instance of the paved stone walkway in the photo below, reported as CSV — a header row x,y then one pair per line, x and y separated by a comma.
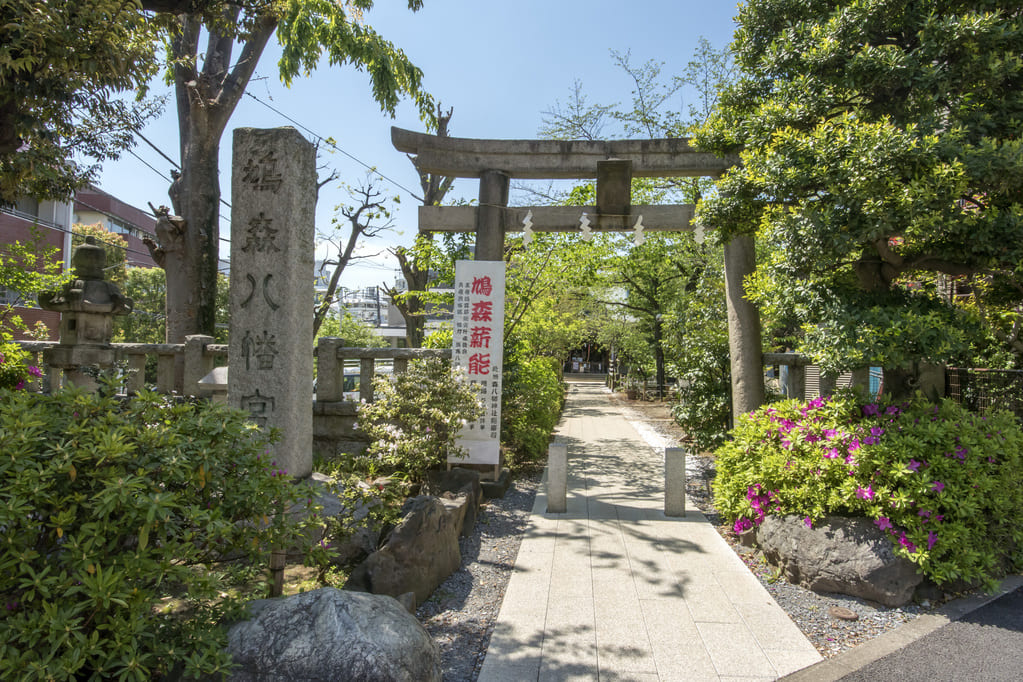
x,y
615,590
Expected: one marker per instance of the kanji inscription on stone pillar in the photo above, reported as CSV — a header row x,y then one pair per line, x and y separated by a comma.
x,y
478,349
273,198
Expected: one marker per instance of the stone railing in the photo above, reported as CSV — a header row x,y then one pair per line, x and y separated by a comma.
x,y
331,356
200,355
334,415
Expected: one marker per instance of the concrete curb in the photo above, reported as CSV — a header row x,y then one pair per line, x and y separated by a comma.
x,y
852,660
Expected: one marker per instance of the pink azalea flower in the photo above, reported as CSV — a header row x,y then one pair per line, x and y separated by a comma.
x,y
742,525
865,493
883,522
808,522
932,538
831,454
35,371
938,486
914,465
905,542
854,445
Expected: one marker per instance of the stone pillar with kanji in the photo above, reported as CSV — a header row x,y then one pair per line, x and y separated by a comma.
x,y
273,198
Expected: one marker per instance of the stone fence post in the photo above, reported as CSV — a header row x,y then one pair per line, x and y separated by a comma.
x,y
197,364
329,371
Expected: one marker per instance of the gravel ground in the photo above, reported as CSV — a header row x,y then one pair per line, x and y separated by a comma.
x,y
460,615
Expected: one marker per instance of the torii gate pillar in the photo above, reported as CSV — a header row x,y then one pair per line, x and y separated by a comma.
x,y
489,224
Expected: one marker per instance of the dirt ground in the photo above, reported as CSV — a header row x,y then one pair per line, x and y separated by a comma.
x,y
655,412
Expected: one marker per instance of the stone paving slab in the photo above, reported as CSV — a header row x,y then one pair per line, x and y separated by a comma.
x,y
612,589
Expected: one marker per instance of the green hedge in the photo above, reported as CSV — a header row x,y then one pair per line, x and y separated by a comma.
x,y
117,520
942,482
532,402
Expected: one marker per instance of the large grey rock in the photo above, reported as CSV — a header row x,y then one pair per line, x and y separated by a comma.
x,y
457,481
361,537
329,635
844,555
420,553
493,490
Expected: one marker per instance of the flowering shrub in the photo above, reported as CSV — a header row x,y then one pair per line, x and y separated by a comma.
x,y
942,482
15,372
118,518
414,420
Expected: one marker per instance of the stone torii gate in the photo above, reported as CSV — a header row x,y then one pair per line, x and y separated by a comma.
x,y
613,163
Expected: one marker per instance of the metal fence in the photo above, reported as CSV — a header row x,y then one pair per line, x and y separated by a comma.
x,y
984,389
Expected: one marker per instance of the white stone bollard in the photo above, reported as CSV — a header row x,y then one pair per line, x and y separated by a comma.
x,y
557,478
674,482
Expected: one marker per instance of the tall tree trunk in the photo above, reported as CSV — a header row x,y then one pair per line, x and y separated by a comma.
x,y
205,100
192,276
417,277
414,269
659,355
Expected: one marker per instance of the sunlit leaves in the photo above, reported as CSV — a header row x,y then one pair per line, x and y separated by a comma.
x,y
878,142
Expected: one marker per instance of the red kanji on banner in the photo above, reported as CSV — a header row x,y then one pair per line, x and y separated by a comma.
x,y
482,286
480,337
482,311
479,363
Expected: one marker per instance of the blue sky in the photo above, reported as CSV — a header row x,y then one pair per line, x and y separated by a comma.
x,y
499,65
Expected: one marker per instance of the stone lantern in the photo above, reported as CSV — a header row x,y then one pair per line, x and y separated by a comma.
x,y
87,306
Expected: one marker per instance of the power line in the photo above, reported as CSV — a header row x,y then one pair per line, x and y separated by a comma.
x,y
371,169
172,161
147,164
160,173
158,150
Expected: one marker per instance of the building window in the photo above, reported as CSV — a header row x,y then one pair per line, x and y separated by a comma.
x,y
27,206
13,298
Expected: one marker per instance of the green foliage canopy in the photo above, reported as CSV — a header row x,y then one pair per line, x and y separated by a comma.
x,y
879,145
62,68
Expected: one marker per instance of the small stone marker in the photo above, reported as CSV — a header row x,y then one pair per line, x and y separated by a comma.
x,y
842,613
674,482
557,478
273,197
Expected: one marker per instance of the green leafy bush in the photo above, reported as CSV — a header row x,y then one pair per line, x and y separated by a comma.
x,y
703,404
531,405
941,481
119,518
414,419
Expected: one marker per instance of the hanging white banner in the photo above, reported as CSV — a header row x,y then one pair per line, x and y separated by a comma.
x,y
478,349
